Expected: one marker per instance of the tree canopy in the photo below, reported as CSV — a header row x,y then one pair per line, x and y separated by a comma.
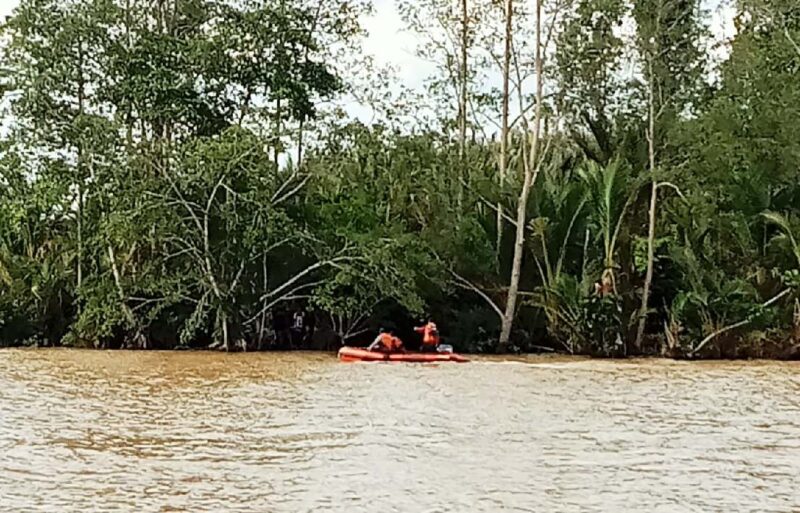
x,y
182,174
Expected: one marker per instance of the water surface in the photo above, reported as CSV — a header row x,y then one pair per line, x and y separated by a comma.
x,y
203,432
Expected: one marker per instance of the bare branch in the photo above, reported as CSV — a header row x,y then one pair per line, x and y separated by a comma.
x,y
466,284
210,202
283,186
183,201
361,318
350,335
672,186
739,324
499,210
288,296
490,204
170,201
305,272
235,282
277,200
791,40
144,302
553,23
178,253
522,115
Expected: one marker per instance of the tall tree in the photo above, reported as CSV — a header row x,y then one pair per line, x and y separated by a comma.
x,y
669,40
592,94
504,129
531,169
462,109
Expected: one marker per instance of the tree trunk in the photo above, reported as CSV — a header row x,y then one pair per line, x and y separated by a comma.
x,y
80,179
504,128
225,341
301,129
79,219
462,121
129,101
651,229
462,103
277,131
264,316
300,134
139,341
530,177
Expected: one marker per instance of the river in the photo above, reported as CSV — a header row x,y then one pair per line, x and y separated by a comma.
x,y
99,431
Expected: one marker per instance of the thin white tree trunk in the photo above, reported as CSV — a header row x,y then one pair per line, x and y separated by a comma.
x,y
651,228
462,122
225,342
264,316
462,103
139,341
278,115
530,176
79,217
504,128
80,180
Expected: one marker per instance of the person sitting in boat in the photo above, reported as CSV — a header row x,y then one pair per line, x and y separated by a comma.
x,y
430,336
386,342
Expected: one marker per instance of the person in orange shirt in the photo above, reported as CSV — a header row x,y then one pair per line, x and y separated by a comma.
x,y
386,342
430,336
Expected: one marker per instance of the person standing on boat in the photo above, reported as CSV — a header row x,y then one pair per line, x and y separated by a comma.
x,y
386,342
430,336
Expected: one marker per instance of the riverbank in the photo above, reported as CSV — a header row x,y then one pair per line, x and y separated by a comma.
x,y
773,352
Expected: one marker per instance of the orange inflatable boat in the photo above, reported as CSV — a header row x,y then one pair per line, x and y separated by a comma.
x,y
355,354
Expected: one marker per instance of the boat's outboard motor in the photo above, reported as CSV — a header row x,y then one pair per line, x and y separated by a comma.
x,y
444,348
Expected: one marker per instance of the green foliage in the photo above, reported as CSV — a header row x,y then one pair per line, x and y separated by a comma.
x,y
147,198
581,321
789,228
610,191
589,58
34,266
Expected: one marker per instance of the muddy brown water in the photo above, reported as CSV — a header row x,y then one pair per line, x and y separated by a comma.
x,y
90,431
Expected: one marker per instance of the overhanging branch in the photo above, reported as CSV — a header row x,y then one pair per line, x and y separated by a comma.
x,y
466,284
739,324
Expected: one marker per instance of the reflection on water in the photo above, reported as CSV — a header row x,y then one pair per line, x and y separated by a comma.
x,y
203,432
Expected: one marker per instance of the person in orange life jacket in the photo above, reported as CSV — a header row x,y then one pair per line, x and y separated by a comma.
x,y
386,342
430,336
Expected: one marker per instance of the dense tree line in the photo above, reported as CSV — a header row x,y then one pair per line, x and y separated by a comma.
x,y
579,176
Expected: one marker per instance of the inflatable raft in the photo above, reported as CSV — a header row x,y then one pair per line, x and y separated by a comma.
x,y
355,354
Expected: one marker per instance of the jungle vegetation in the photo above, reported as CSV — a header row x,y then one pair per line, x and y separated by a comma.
x,y
595,177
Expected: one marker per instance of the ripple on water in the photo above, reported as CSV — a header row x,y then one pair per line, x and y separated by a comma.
x,y
204,432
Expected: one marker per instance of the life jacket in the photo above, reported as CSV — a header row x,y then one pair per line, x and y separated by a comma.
x,y
397,344
388,342
430,334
